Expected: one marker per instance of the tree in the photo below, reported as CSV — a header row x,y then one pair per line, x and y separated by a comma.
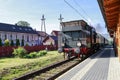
x,y
7,42
22,43
12,43
27,44
51,44
0,42
23,23
17,42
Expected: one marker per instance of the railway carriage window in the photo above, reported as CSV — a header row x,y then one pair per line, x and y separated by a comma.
x,y
68,35
84,27
87,35
88,28
75,35
83,35
80,34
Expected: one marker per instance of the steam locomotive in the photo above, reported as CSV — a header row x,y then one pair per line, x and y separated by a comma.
x,y
77,38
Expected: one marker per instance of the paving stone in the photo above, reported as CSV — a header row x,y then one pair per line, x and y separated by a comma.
x,y
72,72
102,66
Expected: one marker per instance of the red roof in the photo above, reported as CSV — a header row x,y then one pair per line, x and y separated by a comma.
x,y
43,34
55,32
55,38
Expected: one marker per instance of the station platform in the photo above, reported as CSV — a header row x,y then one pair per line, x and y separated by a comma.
x,y
102,65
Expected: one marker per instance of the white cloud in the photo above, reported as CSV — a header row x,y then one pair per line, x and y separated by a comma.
x,y
49,27
100,28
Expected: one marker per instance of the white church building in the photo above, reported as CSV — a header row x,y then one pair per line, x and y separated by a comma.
x,y
13,32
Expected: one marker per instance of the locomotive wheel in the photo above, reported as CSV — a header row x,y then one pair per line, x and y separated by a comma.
x,y
84,55
81,55
68,55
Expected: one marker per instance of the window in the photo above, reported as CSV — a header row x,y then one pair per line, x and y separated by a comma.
x,y
80,34
25,29
23,37
75,35
84,27
11,36
68,35
20,28
5,36
13,27
16,36
28,38
84,35
32,37
29,29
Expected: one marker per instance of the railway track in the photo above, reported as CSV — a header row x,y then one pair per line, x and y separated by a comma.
x,y
51,72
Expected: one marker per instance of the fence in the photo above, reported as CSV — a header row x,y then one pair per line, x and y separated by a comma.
x,y
7,51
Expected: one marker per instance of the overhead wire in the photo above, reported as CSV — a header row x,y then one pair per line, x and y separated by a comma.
x,y
75,9
81,8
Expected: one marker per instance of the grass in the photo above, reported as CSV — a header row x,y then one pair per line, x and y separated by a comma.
x,y
14,67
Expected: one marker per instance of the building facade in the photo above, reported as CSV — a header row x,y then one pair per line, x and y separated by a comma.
x,y
111,13
42,36
50,40
14,32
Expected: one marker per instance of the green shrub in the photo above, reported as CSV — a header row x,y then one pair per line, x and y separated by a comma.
x,y
0,42
44,52
22,42
7,42
32,55
36,54
27,44
12,43
41,53
51,44
17,42
20,52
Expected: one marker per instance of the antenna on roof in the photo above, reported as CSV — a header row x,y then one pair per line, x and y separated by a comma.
x,y
43,26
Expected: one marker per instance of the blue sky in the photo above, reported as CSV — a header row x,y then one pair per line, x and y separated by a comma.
x,y
12,11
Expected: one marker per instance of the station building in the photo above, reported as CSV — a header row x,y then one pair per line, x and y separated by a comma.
x,y
111,13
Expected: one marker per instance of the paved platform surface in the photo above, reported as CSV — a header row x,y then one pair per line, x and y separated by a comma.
x,y
103,65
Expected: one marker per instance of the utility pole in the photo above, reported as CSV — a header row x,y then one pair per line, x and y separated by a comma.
x,y
60,22
43,26
60,45
60,33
